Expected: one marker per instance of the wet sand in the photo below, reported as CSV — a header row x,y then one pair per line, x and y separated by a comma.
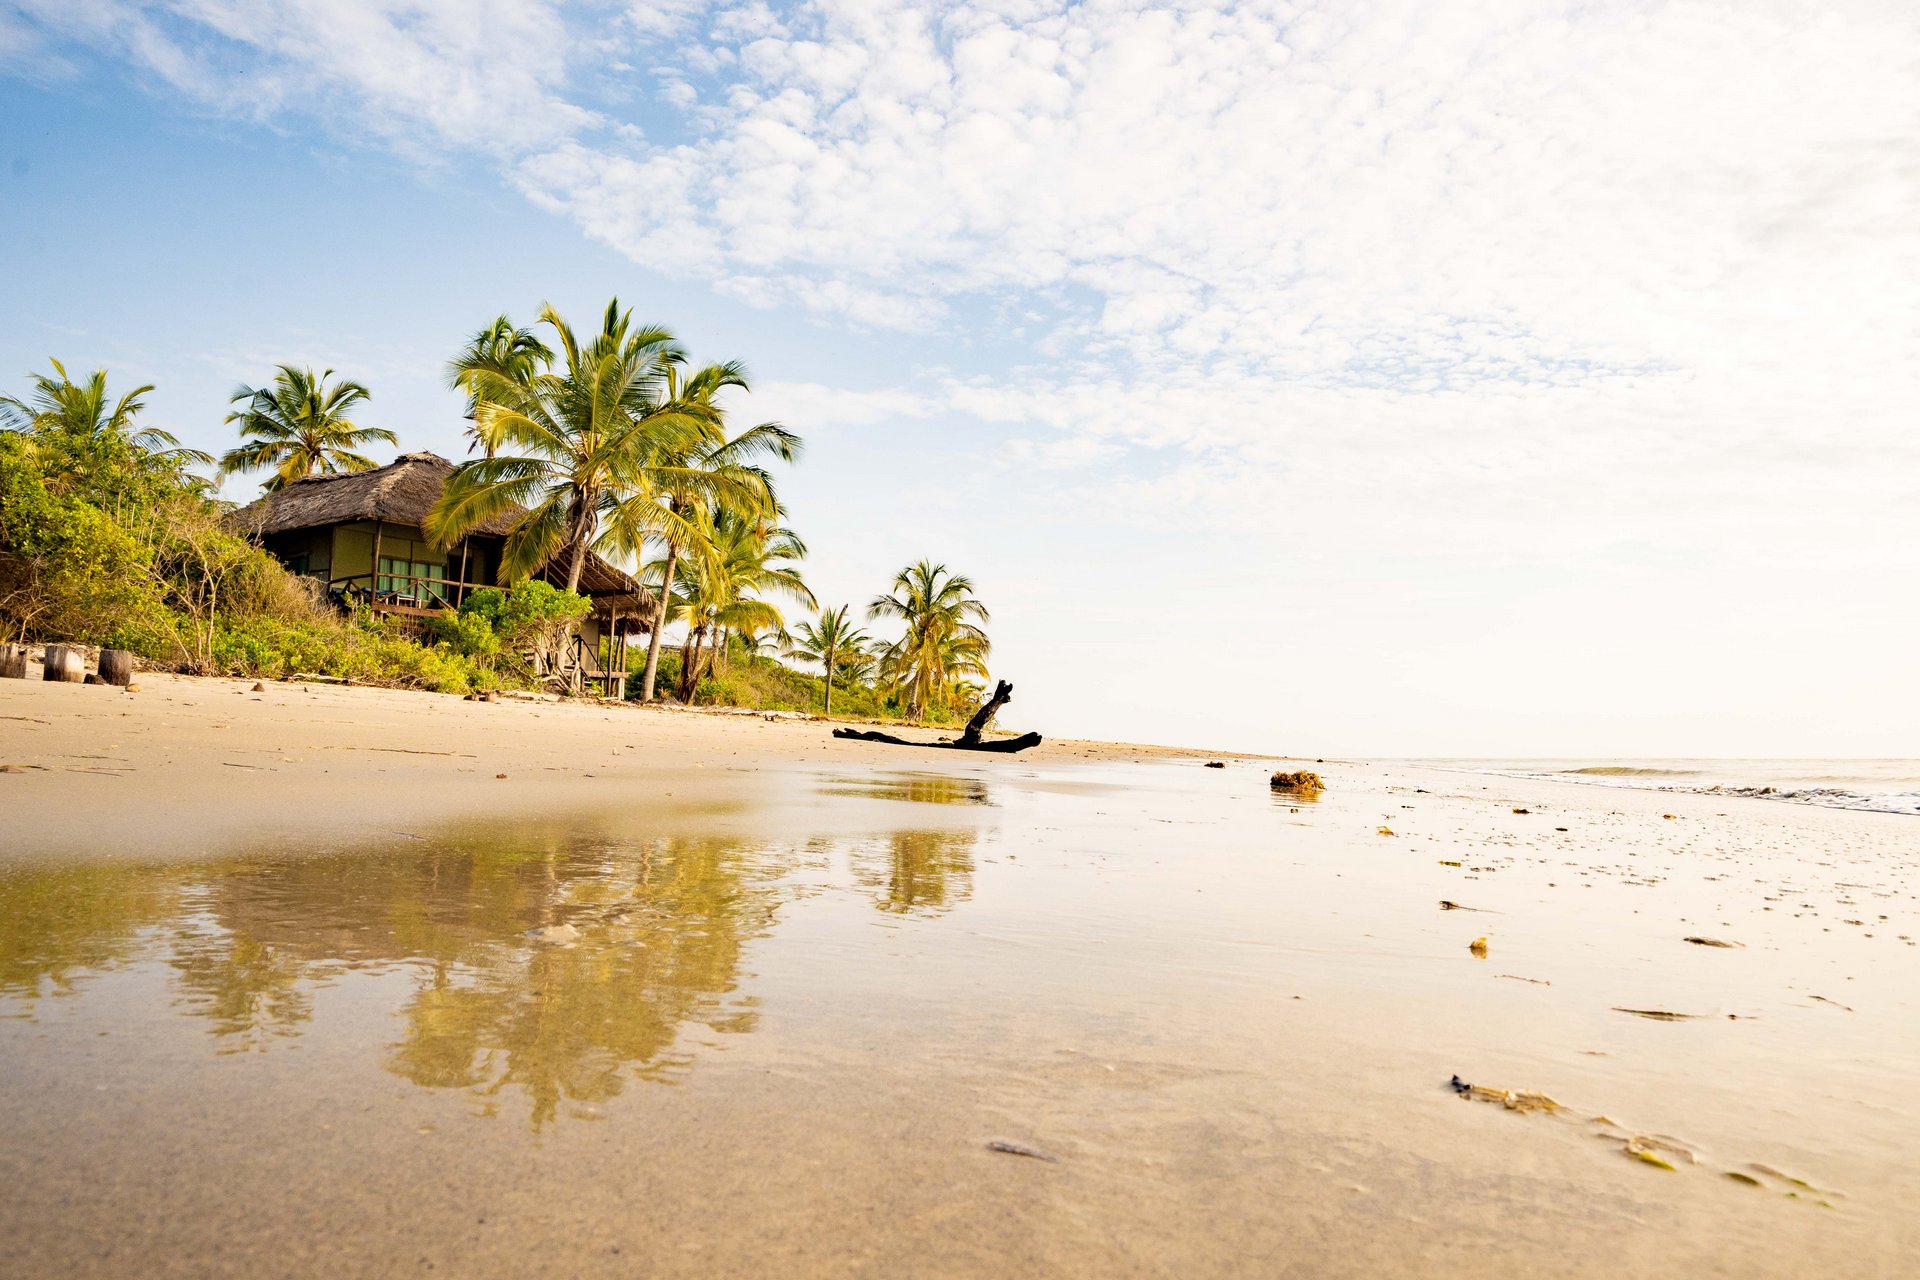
x,y
751,1001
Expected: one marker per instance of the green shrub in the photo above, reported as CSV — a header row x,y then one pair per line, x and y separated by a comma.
x,y
105,543
67,569
469,634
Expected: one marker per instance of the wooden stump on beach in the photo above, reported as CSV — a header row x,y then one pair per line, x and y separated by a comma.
x,y
13,662
116,667
65,663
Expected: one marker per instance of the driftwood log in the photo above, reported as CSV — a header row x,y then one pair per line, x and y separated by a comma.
x,y
116,667
13,662
970,738
63,662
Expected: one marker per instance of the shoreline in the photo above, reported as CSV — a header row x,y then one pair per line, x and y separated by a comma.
x,y
190,764
178,765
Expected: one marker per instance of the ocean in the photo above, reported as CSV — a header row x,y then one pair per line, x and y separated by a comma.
x,y
1883,786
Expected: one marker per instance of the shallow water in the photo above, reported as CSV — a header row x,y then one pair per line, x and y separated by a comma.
x,y
777,1036
1873,784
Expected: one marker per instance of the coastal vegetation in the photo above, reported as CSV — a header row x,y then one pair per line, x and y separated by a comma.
x,y
610,442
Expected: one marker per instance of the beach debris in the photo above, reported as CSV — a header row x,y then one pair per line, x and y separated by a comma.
x,y
971,738
1521,1100
1479,947
258,687
1823,1000
1450,862
1216,764
1669,816
133,688
1698,941
1538,982
1386,831
1301,783
1657,1150
1664,1015
1559,828
1523,810
1802,1183
1017,1149
499,775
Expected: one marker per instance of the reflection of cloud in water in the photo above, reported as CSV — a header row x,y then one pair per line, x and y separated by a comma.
x,y
920,788
918,872
653,937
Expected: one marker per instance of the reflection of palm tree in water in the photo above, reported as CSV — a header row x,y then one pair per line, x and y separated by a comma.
x,y
643,942
641,948
920,872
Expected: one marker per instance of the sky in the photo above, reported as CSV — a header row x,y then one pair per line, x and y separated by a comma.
x,y
1411,378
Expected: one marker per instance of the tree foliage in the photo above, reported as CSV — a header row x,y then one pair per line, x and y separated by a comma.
x,y
299,427
943,638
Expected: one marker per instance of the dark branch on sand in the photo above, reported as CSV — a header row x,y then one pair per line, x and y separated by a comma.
x,y
969,739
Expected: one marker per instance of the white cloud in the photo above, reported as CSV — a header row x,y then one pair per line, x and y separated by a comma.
x,y
424,74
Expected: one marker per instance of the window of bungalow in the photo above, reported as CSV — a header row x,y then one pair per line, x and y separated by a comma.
x,y
424,580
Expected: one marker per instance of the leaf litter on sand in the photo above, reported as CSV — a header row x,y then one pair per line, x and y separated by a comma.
x,y
1655,1149
1714,942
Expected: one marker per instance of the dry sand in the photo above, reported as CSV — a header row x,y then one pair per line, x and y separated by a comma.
x,y
190,765
281,993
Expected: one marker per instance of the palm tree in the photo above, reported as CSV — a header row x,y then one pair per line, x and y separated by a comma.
x,y
517,354
832,642
605,425
81,410
724,591
684,489
299,427
943,638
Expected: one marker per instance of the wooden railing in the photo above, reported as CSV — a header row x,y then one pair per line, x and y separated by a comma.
x,y
401,590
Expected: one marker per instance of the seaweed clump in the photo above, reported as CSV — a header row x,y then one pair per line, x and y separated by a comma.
x,y
1301,783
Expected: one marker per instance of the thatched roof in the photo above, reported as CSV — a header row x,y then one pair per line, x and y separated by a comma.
x,y
402,492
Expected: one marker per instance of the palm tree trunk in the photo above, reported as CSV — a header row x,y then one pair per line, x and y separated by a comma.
x,y
579,562
659,626
829,665
689,656
583,500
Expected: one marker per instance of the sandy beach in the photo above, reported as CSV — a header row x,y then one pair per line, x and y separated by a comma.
x,y
319,980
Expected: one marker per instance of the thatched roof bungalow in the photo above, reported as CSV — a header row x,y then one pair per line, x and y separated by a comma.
x,y
360,535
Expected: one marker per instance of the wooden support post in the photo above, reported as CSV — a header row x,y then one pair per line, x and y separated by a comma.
x,y
116,667
64,663
13,662
376,559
